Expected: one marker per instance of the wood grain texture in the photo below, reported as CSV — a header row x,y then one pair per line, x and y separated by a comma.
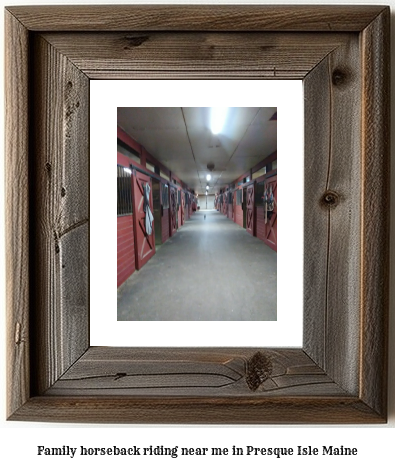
x,y
17,213
376,201
192,372
317,113
60,211
344,179
74,293
196,17
195,55
197,410
339,375
333,162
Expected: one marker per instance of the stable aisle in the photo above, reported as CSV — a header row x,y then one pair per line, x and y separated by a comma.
x,y
211,269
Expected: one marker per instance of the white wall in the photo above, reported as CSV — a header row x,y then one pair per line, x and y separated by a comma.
x,y
19,441
202,201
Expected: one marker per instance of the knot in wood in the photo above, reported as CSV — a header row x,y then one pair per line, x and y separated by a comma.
x,y
259,369
135,41
339,77
330,199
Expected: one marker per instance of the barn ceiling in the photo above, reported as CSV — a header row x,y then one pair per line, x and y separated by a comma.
x,y
182,139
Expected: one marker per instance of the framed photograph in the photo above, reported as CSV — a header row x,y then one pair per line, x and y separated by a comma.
x,y
339,375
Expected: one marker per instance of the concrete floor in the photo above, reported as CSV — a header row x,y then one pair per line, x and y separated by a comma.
x,y
210,269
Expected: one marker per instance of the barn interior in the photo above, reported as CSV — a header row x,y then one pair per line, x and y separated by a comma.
x,y
197,214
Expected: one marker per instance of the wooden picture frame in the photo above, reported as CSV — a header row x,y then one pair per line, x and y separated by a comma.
x,y
340,373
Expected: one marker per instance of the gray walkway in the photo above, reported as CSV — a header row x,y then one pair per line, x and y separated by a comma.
x,y
210,269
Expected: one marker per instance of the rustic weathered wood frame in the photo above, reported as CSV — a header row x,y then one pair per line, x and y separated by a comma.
x,y
339,376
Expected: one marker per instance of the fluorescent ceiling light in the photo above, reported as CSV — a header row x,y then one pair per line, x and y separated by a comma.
x,y
218,118
207,187
208,177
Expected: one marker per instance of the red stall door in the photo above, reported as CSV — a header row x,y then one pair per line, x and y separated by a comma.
x,y
225,206
179,220
234,206
250,222
173,211
271,225
144,243
230,209
182,207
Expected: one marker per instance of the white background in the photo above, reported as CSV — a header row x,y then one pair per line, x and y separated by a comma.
x,y
19,441
106,95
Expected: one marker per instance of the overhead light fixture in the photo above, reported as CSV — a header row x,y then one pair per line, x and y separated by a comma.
x,y
208,177
127,170
206,193
207,187
218,118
